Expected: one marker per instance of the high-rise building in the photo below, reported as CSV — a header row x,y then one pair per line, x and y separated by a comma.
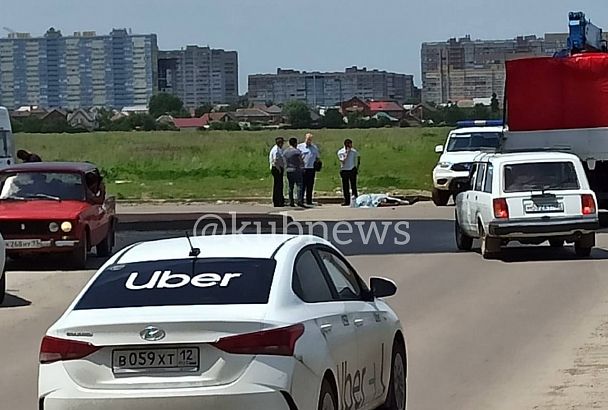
x,y
82,70
326,89
199,75
464,69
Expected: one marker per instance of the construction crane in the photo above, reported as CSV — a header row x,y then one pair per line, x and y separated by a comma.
x,y
9,30
584,35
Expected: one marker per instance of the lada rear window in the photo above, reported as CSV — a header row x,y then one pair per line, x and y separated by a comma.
x,y
203,281
538,176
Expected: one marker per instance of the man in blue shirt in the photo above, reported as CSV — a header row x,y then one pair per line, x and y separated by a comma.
x,y
294,170
310,155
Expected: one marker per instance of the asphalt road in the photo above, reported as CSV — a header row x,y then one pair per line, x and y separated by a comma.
x,y
527,331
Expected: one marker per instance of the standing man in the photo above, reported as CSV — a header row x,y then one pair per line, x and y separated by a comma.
x,y
294,167
349,165
310,155
277,169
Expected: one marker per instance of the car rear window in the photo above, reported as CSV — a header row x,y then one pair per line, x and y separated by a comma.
x,y
540,176
202,281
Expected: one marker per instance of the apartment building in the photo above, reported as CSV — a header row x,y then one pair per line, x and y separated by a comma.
x,y
464,69
326,89
81,70
199,75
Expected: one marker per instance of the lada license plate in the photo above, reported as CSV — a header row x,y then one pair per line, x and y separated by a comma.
x,y
23,243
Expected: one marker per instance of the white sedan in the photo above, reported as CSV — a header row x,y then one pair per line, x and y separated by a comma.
x,y
229,322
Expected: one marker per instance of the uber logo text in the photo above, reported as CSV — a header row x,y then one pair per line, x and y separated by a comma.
x,y
340,233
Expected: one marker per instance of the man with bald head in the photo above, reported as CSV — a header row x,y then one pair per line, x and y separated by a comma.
x,y
310,155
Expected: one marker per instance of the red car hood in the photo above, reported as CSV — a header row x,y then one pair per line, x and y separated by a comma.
x,y
41,209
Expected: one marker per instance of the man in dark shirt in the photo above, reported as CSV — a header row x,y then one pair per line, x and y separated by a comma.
x,y
26,156
295,171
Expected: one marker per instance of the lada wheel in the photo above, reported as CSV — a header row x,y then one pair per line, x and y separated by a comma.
x,y
104,248
463,241
583,246
79,256
490,247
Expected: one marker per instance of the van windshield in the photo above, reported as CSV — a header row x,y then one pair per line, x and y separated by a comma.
x,y
474,141
540,176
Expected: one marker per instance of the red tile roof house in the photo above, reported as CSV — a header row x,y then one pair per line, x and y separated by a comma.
x,y
389,107
189,123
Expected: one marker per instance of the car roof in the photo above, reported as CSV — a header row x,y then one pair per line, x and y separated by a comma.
x,y
51,167
527,156
469,130
215,246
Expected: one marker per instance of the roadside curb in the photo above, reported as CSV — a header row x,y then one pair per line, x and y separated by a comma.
x,y
328,200
191,221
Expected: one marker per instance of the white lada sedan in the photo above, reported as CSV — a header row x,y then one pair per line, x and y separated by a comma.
x,y
226,322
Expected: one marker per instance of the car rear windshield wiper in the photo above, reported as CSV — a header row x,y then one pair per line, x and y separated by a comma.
x,y
44,196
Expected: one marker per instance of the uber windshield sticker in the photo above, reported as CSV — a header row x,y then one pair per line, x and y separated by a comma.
x,y
169,280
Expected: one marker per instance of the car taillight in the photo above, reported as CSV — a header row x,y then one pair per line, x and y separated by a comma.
x,y
53,349
501,209
588,204
278,342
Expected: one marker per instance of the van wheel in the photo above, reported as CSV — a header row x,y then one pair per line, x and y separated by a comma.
x,y
397,390
556,243
328,399
440,197
2,287
463,241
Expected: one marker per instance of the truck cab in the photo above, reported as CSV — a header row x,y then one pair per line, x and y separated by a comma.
x,y
7,142
461,148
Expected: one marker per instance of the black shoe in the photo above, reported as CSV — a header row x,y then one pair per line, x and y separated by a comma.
x,y
301,205
292,205
345,204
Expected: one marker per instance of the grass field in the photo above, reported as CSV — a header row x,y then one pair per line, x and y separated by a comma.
x,y
219,164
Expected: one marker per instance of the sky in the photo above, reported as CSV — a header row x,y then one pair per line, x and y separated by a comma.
x,y
323,35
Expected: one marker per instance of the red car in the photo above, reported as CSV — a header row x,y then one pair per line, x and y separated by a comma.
x,y
56,208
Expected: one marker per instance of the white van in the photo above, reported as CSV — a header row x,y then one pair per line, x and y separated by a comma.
x,y
7,142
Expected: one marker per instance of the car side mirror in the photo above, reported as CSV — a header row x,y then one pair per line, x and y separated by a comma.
x,y
382,288
439,149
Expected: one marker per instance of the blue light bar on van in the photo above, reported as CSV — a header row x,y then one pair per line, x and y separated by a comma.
x,y
479,123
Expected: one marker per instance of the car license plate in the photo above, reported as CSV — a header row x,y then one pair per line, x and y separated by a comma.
x,y
540,207
182,359
23,243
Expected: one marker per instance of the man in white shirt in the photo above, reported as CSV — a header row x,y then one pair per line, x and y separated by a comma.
x,y
277,169
349,165
310,155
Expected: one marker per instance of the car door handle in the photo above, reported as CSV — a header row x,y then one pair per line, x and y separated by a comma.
x,y
326,328
358,322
